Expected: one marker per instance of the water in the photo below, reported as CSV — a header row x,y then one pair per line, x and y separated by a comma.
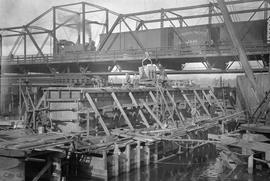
x,y
202,164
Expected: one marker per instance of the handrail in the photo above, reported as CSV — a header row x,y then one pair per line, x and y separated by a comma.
x,y
192,50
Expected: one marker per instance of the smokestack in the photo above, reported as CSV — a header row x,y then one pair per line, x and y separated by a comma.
x,y
89,31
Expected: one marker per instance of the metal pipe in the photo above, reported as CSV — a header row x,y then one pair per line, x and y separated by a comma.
x,y
24,47
83,25
54,32
1,46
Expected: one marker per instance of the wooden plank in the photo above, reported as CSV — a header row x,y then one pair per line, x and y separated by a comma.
x,y
216,100
256,128
178,113
201,102
90,100
12,153
127,153
42,171
207,97
153,97
152,114
41,100
140,111
167,106
189,103
138,154
226,140
122,110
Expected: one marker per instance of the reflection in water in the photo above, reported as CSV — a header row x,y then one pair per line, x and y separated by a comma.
x,y
201,164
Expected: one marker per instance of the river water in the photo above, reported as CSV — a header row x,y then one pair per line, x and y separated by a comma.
x,y
201,164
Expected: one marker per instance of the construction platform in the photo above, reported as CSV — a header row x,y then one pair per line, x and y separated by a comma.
x,y
109,131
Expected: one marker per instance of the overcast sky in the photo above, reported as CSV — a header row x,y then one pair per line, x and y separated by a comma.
x,y
19,12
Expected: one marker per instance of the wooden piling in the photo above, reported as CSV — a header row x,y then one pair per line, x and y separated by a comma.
x,y
250,164
127,152
115,168
57,172
155,155
267,157
138,154
146,155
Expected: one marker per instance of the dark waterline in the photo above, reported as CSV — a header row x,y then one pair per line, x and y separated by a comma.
x,y
202,164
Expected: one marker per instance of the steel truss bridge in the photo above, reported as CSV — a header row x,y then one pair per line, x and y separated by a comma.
x,y
103,58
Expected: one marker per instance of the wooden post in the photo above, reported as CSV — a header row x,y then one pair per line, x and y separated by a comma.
x,y
90,100
122,111
207,97
152,114
127,152
178,113
156,152
250,164
105,159
57,172
179,149
140,111
246,151
167,107
138,155
115,168
147,154
20,100
267,158
189,103
87,123
201,102
222,127
216,100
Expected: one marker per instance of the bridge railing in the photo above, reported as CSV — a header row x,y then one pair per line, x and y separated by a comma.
x,y
131,54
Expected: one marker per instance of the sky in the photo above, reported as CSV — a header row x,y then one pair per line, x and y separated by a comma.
x,y
19,12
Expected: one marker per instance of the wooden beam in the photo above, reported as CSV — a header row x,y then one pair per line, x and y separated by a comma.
x,y
140,111
90,100
42,171
41,100
189,103
153,97
207,97
238,46
178,113
216,101
201,102
122,110
167,106
152,113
